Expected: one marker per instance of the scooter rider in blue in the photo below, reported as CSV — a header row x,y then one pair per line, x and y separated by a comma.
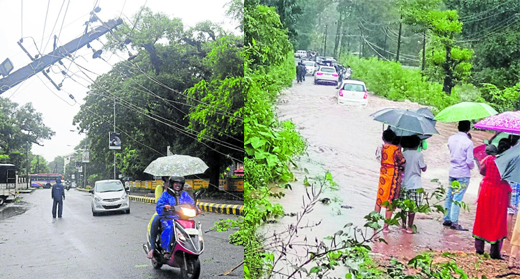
x,y
174,195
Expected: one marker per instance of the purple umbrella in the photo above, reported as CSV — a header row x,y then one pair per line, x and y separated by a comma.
x,y
508,122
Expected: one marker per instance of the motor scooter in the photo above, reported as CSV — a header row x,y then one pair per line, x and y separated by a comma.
x,y
182,236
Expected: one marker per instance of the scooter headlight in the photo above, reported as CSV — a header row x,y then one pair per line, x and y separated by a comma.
x,y
189,212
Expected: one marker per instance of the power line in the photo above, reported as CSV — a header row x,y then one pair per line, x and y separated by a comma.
x,y
21,20
484,12
188,134
135,65
56,22
64,15
45,24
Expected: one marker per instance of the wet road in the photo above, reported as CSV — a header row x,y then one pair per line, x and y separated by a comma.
x,y
343,139
34,245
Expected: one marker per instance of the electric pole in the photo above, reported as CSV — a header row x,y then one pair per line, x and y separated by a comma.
x,y
399,40
38,65
325,43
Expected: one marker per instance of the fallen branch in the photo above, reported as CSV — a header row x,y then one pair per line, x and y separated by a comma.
x,y
231,270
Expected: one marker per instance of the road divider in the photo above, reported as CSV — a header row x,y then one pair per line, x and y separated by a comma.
x,y
233,209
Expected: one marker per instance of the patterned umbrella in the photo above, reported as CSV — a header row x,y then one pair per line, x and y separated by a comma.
x,y
465,111
176,165
508,122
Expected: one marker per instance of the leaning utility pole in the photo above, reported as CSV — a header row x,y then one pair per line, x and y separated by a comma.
x,y
38,65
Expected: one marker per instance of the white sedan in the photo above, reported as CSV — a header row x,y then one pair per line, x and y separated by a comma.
x,y
326,74
353,91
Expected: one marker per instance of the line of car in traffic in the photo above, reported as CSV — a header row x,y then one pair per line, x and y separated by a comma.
x,y
349,90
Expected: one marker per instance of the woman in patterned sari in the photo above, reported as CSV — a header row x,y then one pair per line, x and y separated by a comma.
x,y
392,166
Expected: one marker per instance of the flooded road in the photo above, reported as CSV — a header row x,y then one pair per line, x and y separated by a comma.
x,y
343,139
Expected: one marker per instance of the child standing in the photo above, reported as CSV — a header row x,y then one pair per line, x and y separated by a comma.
x,y
412,185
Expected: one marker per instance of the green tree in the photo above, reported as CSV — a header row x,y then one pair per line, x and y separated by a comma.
x,y
150,92
452,59
57,165
20,125
39,165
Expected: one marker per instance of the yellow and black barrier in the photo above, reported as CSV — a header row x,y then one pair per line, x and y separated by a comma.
x,y
234,209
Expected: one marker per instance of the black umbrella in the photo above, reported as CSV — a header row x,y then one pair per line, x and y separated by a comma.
x,y
508,164
406,121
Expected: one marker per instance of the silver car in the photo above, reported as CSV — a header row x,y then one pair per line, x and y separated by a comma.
x,y
109,195
326,74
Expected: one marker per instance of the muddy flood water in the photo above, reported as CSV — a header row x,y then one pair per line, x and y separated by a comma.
x,y
342,139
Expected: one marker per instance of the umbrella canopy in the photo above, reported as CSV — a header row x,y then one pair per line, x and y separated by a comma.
x,y
406,121
508,122
508,164
176,165
402,133
465,111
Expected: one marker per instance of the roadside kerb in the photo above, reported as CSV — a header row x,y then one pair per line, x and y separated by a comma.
x,y
233,209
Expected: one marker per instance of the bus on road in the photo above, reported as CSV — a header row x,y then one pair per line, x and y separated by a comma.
x,y
44,180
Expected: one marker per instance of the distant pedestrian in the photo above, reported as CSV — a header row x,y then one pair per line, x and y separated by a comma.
x,y
491,215
392,166
461,163
412,186
58,195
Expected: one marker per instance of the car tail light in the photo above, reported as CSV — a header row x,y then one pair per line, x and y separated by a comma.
x,y
335,75
319,74
341,92
366,95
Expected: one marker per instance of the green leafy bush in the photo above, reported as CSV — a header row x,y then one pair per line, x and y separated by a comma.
x,y
390,80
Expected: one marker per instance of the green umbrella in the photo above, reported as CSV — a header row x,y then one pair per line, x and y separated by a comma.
x,y
465,111
176,165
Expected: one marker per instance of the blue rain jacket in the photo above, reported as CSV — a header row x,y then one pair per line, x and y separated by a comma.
x,y
167,224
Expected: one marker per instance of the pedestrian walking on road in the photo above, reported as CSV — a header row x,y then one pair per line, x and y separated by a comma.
x,y
493,200
412,186
392,166
461,163
58,195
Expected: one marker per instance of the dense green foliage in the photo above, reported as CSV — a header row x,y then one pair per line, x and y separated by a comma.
x,y
182,90
20,126
390,80
269,144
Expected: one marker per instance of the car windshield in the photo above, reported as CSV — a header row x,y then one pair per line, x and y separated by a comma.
x,y
308,63
498,137
109,186
353,87
327,70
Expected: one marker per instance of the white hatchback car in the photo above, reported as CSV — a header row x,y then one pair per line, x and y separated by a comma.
x,y
109,195
326,74
353,91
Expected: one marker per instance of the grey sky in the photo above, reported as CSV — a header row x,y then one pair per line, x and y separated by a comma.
x,y
57,108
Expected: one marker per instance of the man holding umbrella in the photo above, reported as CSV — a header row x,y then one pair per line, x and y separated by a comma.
x,y
461,163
